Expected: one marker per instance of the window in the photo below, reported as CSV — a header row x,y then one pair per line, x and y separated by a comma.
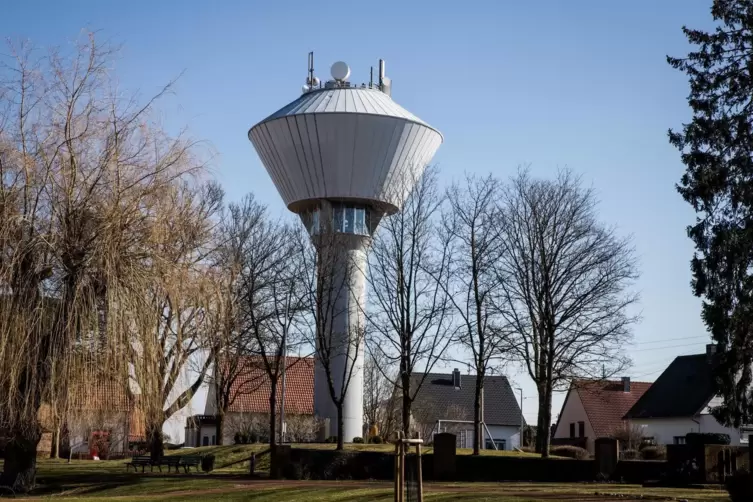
x,y
205,441
348,220
572,430
361,222
214,440
315,222
337,217
581,429
679,440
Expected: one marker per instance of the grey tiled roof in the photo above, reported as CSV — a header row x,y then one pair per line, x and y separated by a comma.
x,y
439,400
683,390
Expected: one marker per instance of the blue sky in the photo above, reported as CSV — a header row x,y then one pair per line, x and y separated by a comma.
x,y
580,83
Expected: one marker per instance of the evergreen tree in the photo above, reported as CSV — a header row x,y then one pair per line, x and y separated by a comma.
x,y
716,149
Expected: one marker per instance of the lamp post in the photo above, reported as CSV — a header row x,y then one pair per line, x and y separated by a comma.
x,y
520,441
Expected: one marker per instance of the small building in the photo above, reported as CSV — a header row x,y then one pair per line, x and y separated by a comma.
x,y
680,401
102,419
248,412
595,409
445,403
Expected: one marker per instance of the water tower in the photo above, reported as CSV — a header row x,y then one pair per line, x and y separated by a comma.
x,y
342,157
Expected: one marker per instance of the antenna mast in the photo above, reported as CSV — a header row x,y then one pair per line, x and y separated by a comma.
x,y
311,69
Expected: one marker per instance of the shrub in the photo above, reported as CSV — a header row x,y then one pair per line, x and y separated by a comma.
x,y
740,487
653,453
376,440
358,440
630,455
569,452
331,439
704,438
207,463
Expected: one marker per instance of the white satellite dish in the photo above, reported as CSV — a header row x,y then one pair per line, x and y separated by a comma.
x,y
315,82
340,71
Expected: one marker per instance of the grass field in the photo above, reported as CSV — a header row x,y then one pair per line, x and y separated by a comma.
x,y
107,480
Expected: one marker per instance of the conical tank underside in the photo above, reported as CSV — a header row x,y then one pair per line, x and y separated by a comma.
x,y
351,143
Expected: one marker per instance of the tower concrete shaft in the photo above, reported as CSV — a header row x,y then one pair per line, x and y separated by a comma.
x,y
339,357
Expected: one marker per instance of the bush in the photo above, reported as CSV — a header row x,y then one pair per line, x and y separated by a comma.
x,y
569,452
740,487
630,455
654,453
331,439
376,440
207,463
358,440
705,438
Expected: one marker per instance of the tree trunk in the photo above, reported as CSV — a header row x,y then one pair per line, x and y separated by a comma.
x,y
340,426
406,413
546,421
219,426
477,418
155,441
55,449
273,415
20,467
540,428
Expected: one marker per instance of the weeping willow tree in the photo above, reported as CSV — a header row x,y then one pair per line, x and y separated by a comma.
x,y
83,178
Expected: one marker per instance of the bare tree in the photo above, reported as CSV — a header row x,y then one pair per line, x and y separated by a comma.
x,y
232,342
564,286
471,232
378,392
272,294
409,314
81,167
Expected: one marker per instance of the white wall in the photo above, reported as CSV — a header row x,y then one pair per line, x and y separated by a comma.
x,y
664,430
572,413
464,434
207,431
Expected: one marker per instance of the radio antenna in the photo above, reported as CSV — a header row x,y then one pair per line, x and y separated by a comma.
x,y
311,69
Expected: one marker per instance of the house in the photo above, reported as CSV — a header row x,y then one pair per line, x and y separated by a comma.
x,y
680,402
595,409
249,408
102,419
444,403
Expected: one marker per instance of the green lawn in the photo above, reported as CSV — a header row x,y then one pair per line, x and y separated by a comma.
x,y
107,480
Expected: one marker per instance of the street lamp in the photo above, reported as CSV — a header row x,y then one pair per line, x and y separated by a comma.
x,y
520,441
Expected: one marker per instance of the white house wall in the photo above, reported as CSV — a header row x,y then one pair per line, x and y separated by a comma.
x,y
664,430
464,435
574,412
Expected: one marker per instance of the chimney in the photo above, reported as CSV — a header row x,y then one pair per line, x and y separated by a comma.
x,y
456,378
710,352
625,384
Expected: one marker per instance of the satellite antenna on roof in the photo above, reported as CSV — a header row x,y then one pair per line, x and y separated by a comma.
x,y
340,71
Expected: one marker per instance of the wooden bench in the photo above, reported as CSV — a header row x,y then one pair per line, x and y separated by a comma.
x,y
141,461
189,461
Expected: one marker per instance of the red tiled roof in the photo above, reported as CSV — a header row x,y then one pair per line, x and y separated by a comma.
x,y
102,395
605,402
252,389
